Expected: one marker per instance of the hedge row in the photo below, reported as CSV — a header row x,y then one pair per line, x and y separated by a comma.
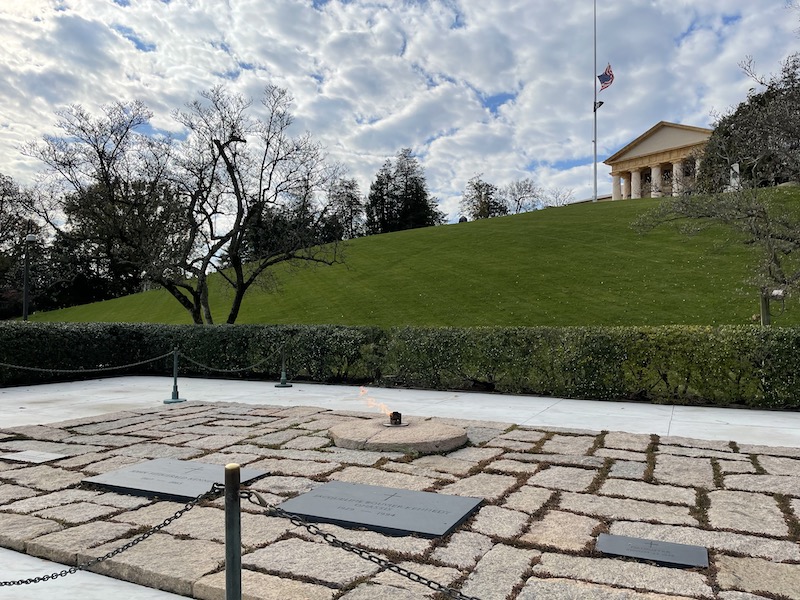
x,y
745,365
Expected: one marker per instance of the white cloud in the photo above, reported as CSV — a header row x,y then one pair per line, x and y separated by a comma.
x,y
372,77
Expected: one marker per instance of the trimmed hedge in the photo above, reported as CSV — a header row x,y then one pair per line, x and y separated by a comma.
x,y
734,365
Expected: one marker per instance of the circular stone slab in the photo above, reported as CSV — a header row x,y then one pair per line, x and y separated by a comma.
x,y
421,437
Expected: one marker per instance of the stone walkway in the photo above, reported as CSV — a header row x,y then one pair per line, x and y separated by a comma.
x,y
548,495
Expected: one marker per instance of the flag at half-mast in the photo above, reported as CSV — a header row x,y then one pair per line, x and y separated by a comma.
x,y
606,78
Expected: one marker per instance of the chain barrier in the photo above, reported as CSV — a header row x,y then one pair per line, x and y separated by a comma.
x,y
250,368
215,490
257,499
94,370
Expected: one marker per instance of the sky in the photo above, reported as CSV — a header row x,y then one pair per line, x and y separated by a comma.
x,y
498,88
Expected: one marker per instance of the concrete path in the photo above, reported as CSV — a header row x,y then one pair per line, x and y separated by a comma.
x,y
728,480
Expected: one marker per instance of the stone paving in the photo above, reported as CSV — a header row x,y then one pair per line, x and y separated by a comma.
x,y
547,495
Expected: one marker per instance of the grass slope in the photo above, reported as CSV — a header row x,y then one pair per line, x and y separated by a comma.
x,y
576,265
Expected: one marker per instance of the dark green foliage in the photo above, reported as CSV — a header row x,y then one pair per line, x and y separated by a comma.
x,y
745,365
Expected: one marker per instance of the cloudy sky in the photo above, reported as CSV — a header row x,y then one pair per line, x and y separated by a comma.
x,y
498,87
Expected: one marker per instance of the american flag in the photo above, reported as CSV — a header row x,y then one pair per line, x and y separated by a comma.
x,y
606,78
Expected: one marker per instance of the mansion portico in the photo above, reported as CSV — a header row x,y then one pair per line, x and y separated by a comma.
x,y
660,162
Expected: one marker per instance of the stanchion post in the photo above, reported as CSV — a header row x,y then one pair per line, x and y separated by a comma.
x,y
175,397
233,533
283,383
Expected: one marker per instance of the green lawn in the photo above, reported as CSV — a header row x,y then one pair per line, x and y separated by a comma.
x,y
576,265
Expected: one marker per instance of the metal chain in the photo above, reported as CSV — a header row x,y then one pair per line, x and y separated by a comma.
x,y
202,366
95,370
256,498
215,490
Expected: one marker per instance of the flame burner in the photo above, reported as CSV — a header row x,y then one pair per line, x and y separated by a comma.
x,y
395,420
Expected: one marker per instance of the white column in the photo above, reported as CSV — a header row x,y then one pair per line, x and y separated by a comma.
x,y
616,188
677,176
626,185
636,183
655,181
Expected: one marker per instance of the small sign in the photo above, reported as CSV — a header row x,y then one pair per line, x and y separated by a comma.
x,y
32,456
660,552
168,478
386,510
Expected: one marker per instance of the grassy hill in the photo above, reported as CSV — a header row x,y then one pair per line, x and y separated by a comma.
x,y
575,265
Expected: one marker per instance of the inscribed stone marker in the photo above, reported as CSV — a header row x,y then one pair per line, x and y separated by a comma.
x,y
32,456
168,478
386,510
662,552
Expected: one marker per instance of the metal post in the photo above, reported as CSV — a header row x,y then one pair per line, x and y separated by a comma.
x,y
175,397
765,316
283,383
233,533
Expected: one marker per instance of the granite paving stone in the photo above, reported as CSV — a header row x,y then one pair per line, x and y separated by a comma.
x,y
740,596
40,432
724,541
384,478
463,549
616,508
284,485
112,441
736,466
78,512
636,576
260,586
625,469
528,499
149,515
756,575
499,522
510,445
65,545
482,485
16,530
109,464
777,465
537,588
635,442
513,466
777,484
51,447
207,523
564,478
479,435
621,454
446,464
288,466
475,455
638,490
214,442
684,471
226,458
703,452
42,477
302,559
156,450
43,501
523,435
769,450
743,511
561,530
364,458
10,493
675,440
371,540
152,563
498,572
121,500
569,444
307,442
412,469
391,586
571,460
277,438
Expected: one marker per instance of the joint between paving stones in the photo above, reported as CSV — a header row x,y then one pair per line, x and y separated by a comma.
x,y
599,442
650,454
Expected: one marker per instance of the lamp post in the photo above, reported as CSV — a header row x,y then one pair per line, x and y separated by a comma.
x,y
29,239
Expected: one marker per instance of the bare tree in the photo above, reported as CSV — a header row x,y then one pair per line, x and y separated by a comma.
x,y
521,195
557,196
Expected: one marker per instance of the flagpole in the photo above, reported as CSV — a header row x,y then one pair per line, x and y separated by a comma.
x,y
594,104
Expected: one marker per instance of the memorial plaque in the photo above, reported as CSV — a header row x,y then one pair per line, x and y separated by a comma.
x,y
661,552
386,510
32,456
168,478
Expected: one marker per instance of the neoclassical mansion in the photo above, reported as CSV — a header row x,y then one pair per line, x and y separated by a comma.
x,y
660,162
